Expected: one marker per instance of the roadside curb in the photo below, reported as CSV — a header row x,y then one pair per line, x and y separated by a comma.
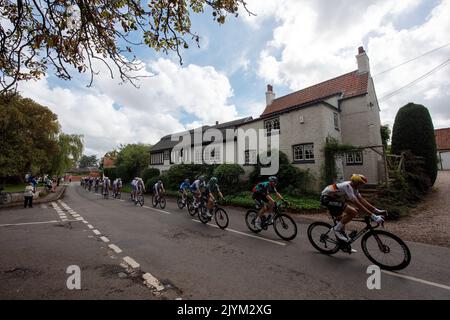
x,y
48,198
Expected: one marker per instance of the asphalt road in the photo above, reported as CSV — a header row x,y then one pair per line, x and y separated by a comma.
x,y
192,260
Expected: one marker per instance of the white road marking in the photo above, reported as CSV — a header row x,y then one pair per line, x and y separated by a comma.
x,y
90,226
115,248
434,284
84,221
131,262
151,281
96,232
76,215
28,223
79,219
121,200
162,211
104,239
245,234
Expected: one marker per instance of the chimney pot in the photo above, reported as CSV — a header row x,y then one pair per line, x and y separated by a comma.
x,y
361,50
217,122
270,96
269,88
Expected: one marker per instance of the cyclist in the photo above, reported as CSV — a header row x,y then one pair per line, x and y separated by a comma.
x,y
158,189
106,186
133,188
343,199
183,189
196,189
263,199
118,186
140,186
211,188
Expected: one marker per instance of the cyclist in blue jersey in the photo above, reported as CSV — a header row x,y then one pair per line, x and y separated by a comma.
x,y
184,188
261,194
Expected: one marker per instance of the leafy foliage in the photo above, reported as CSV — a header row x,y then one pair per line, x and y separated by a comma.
x,y
228,176
289,177
31,140
77,34
385,132
331,150
87,161
413,130
132,159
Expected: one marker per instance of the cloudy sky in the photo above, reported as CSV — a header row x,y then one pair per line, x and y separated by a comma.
x,y
289,43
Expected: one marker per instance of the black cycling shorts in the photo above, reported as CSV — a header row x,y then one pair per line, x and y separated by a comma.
x,y
335,207
260,198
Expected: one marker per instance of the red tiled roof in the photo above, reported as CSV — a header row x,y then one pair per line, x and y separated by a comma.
x,y
108,162
442,138
350,85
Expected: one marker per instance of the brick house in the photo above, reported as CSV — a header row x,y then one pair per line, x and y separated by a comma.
x,y
443,147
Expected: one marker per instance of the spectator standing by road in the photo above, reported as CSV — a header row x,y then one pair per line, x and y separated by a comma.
x,y
28,195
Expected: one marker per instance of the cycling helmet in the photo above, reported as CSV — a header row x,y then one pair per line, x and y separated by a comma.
x,y
202,178
213,180
358,178
159,181
273,179
186,180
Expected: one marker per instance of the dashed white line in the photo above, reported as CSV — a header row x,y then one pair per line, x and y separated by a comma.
x,y
104,239
27,223
245,234
96,232
157,210
115,248
84,221
434,284
131,262
90,226
79,219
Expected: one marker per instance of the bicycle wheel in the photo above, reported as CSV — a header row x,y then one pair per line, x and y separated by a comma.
x,y
285,227
180,203
141,200
162,202
192,210
320,236
202,215
154,201
119,195
221,218
386,250
250,218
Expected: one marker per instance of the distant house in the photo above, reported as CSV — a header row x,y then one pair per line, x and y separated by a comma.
x,y
163,155
108,162
344,108
443,147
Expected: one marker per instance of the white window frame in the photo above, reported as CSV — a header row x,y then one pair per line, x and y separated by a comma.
x,y
305,150
351,158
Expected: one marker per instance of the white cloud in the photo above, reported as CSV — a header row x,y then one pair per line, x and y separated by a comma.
x,y
317,40
146,114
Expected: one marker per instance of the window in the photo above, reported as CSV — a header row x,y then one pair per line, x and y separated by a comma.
x,y
303,152
249,157
354,158
336,120
167,155
272,125
198,155
212,156
156,158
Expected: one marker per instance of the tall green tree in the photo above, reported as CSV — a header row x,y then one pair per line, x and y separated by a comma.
x,y
68,35
70,148
134,158
88,161
28,134
385,135
414,131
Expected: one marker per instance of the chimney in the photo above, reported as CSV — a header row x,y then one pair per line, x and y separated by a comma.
x,y
217,122
270,96
363,61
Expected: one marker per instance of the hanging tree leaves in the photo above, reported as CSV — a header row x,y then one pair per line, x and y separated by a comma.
x,y
37,34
